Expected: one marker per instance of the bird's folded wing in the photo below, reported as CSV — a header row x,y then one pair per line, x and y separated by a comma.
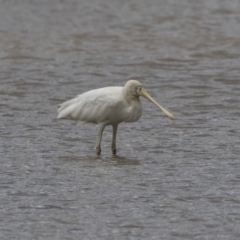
x,y
93,106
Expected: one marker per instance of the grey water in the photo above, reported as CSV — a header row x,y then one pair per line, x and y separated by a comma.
x,y
175,179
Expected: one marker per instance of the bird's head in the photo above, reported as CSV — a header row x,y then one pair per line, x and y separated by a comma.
x,y
134,88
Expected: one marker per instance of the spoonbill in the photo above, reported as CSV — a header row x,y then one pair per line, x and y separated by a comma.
x,y
108,106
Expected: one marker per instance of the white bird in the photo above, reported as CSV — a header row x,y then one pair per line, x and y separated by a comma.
x,y
108,106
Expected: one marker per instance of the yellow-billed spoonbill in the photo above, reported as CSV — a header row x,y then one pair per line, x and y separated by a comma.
x,y
108,106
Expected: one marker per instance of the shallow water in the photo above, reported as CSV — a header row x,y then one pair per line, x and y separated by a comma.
x,y
171,179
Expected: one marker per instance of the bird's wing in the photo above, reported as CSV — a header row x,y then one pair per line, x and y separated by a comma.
x,y
94,106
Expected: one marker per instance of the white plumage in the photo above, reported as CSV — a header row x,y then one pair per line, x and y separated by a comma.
x,y
108,106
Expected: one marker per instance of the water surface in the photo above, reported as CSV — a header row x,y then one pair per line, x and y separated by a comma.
x,y
171,179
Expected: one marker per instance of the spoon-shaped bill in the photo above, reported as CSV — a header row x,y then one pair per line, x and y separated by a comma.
x,y
146,95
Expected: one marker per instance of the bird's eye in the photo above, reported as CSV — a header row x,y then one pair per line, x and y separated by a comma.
x,y
138,90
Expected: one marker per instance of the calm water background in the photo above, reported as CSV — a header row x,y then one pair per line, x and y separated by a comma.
x,y
172,179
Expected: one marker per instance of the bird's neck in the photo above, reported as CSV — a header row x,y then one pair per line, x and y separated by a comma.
x,y
129,96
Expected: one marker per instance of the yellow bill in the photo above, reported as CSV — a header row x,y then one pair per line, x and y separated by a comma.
x,y
146,95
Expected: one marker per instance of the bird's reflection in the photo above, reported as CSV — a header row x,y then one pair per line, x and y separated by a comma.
x,y
114,159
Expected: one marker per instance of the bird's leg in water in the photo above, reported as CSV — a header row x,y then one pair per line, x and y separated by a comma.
x,y
98,147
114,150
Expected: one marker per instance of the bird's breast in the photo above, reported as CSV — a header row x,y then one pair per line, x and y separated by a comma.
x,y
134,111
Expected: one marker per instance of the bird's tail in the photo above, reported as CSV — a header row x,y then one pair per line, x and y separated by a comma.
x,y
66,109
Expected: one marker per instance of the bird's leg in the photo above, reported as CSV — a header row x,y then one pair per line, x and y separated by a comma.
x,y
114,150
98,147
